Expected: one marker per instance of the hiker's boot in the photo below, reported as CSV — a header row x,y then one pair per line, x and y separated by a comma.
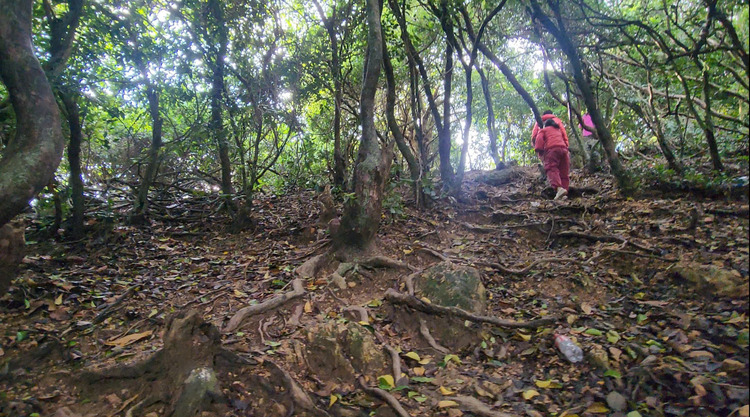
x,y
561,192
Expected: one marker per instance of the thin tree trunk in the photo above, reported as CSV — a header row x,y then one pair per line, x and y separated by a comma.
x,y
141,207
444,134
492,132
412,162
339,162
74,162
467,129
359,224
31,157
217,89
446,170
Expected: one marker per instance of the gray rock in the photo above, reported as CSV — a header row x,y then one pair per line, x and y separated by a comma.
x,y
617,401
199,387
451,285
341,351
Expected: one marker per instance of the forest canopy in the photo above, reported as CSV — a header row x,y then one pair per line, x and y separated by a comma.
x,y
162,98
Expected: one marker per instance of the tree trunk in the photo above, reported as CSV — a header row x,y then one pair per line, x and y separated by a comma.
x,y
31,157
467,128
141,207
446,170
217,89
339,162
74,161
444,134
490,119
359,224
502,67
622,177
415,171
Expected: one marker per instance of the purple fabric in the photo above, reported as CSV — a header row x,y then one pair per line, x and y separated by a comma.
x,y
587,122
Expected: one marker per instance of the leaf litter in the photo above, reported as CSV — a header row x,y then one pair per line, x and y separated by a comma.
x,y
657,343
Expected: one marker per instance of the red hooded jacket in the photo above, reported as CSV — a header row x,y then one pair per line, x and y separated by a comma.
x,y
550,137
546,117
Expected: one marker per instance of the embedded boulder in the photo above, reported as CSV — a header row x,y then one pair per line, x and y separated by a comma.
x,y
710,278
340,351
451,285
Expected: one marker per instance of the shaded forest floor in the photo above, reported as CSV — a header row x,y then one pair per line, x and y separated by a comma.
x,y
663,336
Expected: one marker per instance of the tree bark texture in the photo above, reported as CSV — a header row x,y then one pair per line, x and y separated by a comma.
x,y
74,161
141,204
412,161
490,119
217,89
339,162
361,218
31,157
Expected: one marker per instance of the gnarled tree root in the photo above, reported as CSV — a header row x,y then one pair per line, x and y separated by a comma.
x,y
385,396
384,262
190,345
298,290
506,270
299,397
395,297
425,332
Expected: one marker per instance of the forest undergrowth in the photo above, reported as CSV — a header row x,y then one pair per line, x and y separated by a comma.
x,y
653,288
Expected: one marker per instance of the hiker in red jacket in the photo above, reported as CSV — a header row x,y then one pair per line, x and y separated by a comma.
x,y
547,115
551,145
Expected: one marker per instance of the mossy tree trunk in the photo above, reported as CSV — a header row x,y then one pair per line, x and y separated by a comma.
x,y
361,218
32,156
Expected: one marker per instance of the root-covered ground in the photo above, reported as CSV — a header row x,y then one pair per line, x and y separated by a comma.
x,y
653,288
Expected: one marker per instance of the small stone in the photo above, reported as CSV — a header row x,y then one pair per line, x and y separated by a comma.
x,y
113,400
616,401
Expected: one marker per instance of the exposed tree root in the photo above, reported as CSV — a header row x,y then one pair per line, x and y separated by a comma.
x,y
425,332
479,229
299,397
433,253
298,290
385,262
312,266
395,297
528,268
385,396
190,348
395,361
478,408
137,409
607,238
363,316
